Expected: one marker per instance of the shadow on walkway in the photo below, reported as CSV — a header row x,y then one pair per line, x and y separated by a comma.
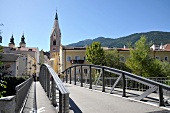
x,y
74,107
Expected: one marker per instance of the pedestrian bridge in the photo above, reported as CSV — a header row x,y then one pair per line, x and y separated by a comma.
x,y
76,93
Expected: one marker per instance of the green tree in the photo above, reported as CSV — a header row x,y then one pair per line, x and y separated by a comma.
x,y
154,68
112,58
2,83
95,54
165,69
139,59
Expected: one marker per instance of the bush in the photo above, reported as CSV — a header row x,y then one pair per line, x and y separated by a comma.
x,y
2,86
12,82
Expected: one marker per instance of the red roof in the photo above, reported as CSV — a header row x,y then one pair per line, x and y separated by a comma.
x,y
166,47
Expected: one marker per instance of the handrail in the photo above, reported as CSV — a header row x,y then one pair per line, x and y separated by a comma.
x,y
47,74
21,94
154,86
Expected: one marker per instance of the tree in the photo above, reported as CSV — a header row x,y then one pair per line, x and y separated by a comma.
x,y
95,54
2,83
165,68
139,59
112,58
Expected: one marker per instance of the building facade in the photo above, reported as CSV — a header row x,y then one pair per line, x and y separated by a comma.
x,y
10,64
29,54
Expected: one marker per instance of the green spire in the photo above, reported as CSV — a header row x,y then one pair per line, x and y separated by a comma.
x,y
23,39
56,16
12,39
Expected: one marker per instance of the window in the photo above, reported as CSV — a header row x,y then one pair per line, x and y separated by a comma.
x,y
54,48
77,57
166,58
157,57
85,71
77,71
84,58
68,58
54,42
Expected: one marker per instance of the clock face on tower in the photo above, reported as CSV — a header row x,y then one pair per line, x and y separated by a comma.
x,y
54,48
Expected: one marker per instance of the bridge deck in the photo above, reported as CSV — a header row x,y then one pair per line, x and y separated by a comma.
x,y
38,101
83,100
92,101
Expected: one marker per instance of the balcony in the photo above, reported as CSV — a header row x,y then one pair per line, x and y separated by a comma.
x,y
76,61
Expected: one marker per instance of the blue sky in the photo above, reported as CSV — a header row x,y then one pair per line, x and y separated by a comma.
x,y
80,19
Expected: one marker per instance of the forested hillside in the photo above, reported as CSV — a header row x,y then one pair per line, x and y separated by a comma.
x,y
156,37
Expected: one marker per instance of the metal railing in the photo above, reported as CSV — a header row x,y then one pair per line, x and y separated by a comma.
x,y
49,80
133,85
122,78
21,94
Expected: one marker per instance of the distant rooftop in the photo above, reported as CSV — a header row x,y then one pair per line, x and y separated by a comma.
x,y
9,57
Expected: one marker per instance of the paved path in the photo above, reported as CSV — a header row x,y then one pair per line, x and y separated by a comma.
x,y
83,100
38,100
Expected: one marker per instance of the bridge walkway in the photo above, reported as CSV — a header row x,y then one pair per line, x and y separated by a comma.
x,y
84,100
38,101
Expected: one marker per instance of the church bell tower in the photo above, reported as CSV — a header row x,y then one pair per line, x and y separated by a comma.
x,y
55,42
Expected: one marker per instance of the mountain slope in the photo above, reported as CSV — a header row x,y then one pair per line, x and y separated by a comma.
x,y
156,37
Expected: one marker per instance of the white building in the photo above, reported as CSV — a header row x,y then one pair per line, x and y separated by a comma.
x,y
24,51
10,64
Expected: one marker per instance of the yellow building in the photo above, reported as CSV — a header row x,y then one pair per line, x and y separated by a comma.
x,y
72,55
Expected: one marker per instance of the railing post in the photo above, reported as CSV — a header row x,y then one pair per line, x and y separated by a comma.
x,y
45,79
40,76
161,101
48,84
124,85
70,75
63,78
75,75
66,77
53,88
63,103
60,102
103,79
81,76
66,103
90,78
